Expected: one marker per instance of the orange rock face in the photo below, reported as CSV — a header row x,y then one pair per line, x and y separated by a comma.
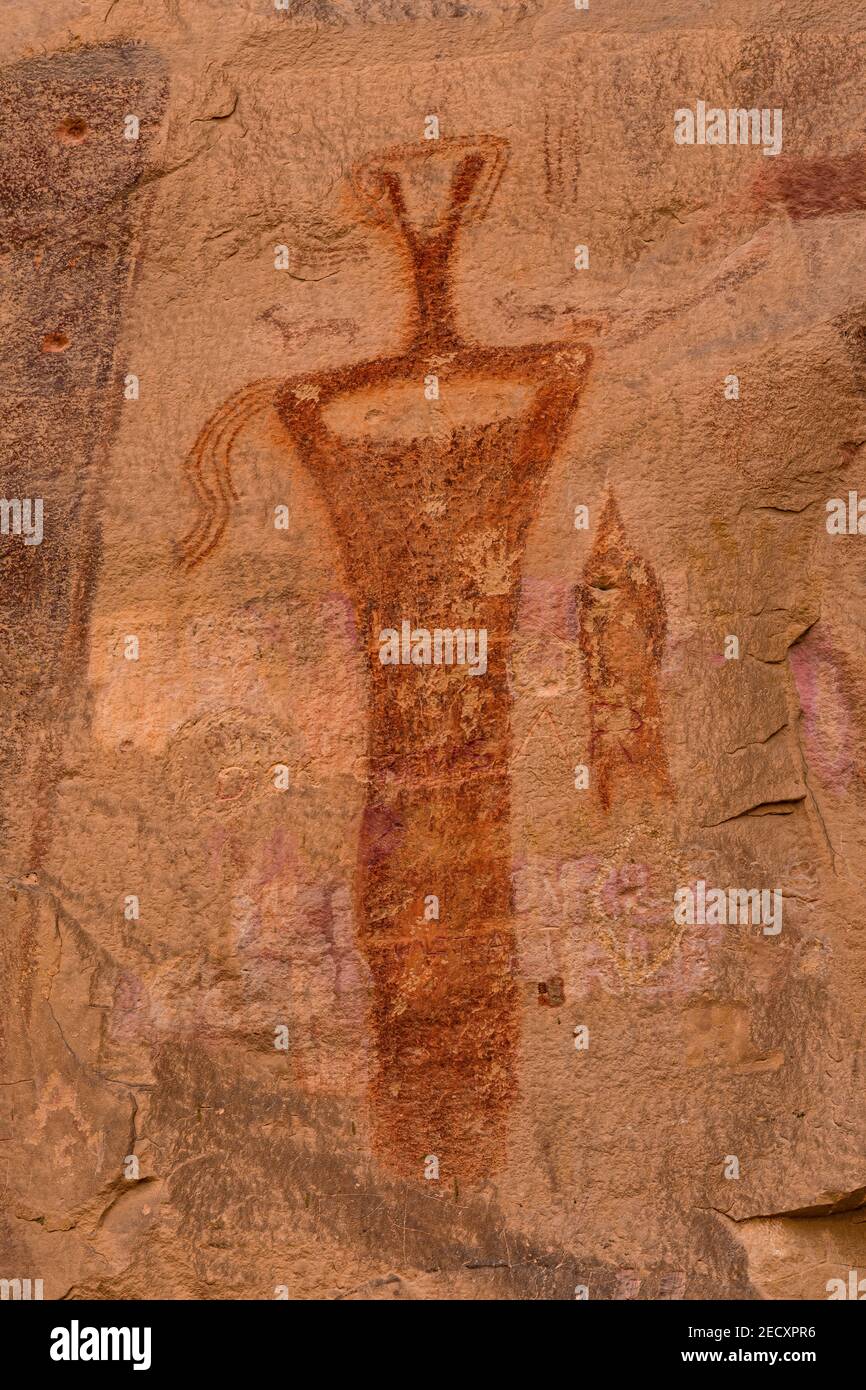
x,y
433,790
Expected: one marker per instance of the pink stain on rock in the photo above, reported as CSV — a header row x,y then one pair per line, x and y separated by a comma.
x,y
829,735
547,605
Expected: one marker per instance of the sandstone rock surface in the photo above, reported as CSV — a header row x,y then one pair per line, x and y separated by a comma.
x,y
341,951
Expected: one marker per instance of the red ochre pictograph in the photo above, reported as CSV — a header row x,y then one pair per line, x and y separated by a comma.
x,y
468,468
623,625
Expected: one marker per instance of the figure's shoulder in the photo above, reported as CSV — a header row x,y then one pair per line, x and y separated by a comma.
x,y
531,363
306,395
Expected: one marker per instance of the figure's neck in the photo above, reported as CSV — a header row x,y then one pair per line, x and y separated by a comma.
x,y
435,327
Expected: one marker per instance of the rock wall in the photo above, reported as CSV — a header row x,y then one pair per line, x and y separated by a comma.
x,y
432,647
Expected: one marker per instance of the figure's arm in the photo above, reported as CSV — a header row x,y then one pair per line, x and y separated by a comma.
x,y
208,465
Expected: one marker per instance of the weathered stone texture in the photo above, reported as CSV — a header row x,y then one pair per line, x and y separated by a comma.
x,y
388,335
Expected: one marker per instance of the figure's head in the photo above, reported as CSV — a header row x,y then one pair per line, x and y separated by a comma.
x,y
431,185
